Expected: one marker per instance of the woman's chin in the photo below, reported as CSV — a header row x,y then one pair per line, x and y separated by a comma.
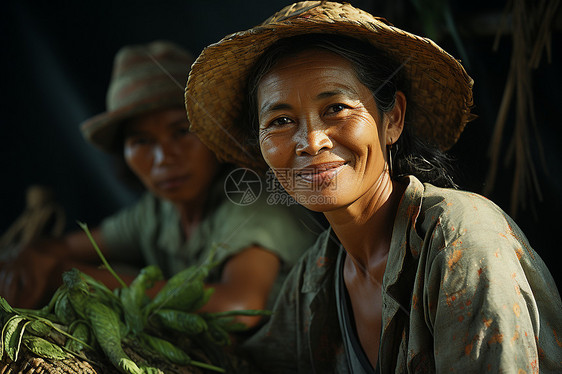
x,y
318,202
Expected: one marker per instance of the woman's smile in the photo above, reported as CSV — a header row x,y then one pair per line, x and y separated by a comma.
x,y
320,174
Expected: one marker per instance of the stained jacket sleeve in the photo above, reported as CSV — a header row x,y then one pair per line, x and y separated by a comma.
x,y
486,287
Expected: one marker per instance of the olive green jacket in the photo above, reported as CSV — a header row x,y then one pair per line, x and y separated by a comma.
x,y
463,292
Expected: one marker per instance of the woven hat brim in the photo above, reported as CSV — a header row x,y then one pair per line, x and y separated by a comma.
x,y
102,129
440,98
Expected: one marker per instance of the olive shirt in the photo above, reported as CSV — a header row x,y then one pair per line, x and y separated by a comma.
x,y
463,292
151,229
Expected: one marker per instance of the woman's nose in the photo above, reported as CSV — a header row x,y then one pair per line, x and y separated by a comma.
x,y
312,137
164,153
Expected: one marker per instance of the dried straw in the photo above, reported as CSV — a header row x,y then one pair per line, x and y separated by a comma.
x,y
531,34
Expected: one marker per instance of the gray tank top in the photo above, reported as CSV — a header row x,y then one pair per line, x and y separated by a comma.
x,y
358,361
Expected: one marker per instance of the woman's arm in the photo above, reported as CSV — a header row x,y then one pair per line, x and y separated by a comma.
x,y
246,280
484,314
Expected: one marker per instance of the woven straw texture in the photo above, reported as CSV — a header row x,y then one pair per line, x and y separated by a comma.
x,y
441,90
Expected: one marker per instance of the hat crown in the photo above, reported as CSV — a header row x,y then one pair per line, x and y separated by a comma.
x,y
145,78
144,72
323,10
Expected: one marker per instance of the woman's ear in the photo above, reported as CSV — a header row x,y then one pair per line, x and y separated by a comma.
x,y
396,119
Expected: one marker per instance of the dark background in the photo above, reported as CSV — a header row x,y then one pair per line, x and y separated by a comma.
x,y
56,64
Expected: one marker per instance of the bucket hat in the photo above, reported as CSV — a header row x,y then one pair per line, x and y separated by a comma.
x,y
440,89
144,78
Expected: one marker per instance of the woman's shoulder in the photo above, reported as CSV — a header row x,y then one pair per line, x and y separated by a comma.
x,y
452,207
469,221
456,200
446,216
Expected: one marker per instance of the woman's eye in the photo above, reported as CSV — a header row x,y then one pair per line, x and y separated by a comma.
x,y
280,121
335,108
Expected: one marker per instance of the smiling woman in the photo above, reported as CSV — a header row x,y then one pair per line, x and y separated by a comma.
x,y
381,75
319,111
353,116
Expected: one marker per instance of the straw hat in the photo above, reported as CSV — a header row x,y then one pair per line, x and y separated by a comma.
x,y
145,78
441,90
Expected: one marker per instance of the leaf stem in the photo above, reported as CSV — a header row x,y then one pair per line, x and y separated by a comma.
x,y
207,366
106,264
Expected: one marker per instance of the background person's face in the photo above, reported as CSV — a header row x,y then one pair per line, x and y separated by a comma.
x,y
168,159
319,130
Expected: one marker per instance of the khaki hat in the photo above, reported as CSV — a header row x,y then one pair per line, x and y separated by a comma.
x,y
440,95
144,78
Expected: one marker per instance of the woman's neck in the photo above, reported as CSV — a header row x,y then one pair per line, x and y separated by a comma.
x,y
364,228
191,214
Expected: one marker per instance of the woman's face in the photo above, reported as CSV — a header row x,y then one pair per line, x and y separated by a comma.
x,y
320,130
168,159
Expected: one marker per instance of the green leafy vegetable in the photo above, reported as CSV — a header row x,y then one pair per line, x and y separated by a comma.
x,y
44,348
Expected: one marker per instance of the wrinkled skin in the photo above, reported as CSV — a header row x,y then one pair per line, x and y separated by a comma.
x,y
322,135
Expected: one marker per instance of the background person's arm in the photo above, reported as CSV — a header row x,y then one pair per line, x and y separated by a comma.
x,y
246,280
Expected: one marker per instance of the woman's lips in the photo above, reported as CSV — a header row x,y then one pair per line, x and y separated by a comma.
x,y
320,174
172,183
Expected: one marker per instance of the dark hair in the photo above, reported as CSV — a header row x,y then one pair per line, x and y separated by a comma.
x,y
383,77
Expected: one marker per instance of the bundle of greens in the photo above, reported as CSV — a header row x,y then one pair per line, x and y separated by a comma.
x,y
84,316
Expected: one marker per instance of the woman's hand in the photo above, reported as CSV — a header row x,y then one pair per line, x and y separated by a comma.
x,y
28,280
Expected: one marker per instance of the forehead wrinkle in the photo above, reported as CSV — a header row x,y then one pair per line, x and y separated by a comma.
x,y
331,85
342,90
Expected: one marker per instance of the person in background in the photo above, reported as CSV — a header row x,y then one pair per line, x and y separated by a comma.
x,y
413,275
183,216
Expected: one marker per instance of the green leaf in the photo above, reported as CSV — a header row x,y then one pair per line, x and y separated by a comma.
x,y
203,300
12,333
133,316
126,365
166,349
5,306
189,323
175,354
63,309
100,289
150,370
230,325
39,328
44,348
80,336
